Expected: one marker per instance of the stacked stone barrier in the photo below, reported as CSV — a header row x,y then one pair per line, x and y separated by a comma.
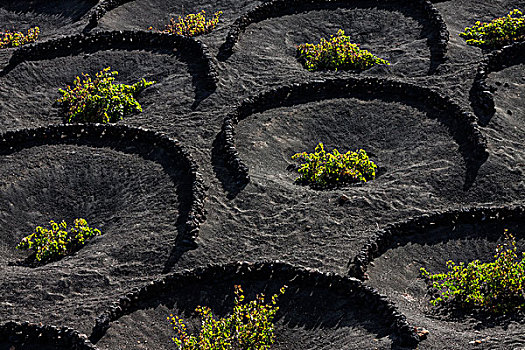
x,y
302,277
101,9
461,124
137,40
438,38
481,94
16,333
111,135
383,239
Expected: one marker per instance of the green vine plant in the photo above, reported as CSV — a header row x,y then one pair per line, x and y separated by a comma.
x,y
336,53
56,241
192,25
497,33
100,100
249,327
323,169
497,287
15,39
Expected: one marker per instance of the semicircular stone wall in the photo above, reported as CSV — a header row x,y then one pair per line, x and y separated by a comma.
x,y
24,336
391,262
460,125
438,37
179,66
482,94
53,17
141,188
140,15
449,182
317,311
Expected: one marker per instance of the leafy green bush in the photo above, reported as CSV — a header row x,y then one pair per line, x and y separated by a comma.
x,y
14,39
324,169
193,24
100,100
57,241
249,327
497,287
497,33
335,54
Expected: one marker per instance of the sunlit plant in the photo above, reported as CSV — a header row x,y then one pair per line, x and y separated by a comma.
x,y
336,53
57,240
15,39
324,169
498,32
496,287
193,24
249,327
100,100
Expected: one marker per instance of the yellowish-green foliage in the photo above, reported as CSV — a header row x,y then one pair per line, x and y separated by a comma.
x,y
497,287
249,327
193,24
58,240
337,53
15,39
100,100
497,33
324,169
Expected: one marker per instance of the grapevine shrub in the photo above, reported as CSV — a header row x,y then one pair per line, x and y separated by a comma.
x,y
249,327
496,287
193,24
497,33
57,241
337,53
100,100
15,39
325,169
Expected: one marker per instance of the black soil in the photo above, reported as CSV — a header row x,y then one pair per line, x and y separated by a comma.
x,y
37,82
9,346
309,317
157,13
136,200
133,201
510,106
53,17
28,346
396,274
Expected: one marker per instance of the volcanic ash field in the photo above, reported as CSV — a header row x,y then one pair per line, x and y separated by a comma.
x,y
197,193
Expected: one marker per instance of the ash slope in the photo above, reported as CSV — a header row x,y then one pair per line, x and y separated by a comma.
x,y
270,219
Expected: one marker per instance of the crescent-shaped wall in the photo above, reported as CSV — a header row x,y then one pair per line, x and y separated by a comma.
x,y
382,240
462,125
438,39
307,278
205,77
98,134
42,335
481,94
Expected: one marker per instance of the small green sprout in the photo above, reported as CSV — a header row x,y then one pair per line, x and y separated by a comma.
x,y
57,241
15,39
325,169
496,287
192,25
497,33
249,327
100,100
337,53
